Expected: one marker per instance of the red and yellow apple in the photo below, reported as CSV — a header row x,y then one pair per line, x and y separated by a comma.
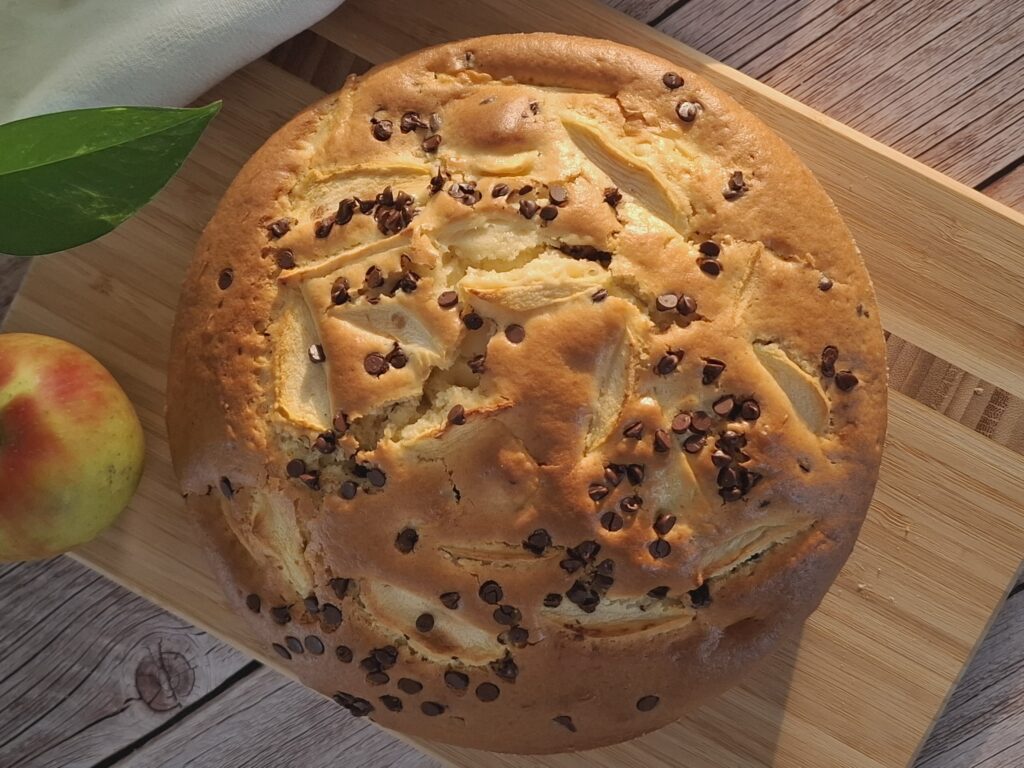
x,y
71,447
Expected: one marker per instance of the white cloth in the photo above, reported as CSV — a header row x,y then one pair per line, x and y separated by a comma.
x,y
64,54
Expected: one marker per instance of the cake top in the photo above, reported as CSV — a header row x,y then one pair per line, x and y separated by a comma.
x,y
536,373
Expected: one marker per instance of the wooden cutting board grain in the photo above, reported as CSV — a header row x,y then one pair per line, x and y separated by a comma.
x,y
871,668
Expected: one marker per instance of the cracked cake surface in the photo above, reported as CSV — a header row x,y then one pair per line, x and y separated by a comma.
x,y
528,391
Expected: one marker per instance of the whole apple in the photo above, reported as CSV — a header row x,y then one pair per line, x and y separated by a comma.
x,y
71,447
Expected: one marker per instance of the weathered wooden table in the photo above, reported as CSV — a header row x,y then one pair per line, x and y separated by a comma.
x,y
92,675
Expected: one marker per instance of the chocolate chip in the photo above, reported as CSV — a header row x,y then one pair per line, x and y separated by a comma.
x,y
587,253
387,656
314,645
348,490
346,209
375,364
311,478
431,143
436,182
515,333
339,586
358,707
681,423
613,474
376,477
500,190
565,721
281,651
709,248
634,430
280,614
526,189
382,130
700,422
295,468
323,227
528,209
316,353
392,703
411,121
647,703
507,615
688,110
664,524
735,187
406,540
343,654
294,644
366,206
700,596
432,708
599,295
312,604
723,406
374,277
424,622
612,196
596,492
458,681
410,686
326,443
505,668
552,600
558,194
339,292
672,80
473,321
279,228
658,592
448,299
659,548
846,381
477,363
285,259
457,415
713,368
730,494
534,107
612,521
491,592
662,441
630,505
666,302
378,678
570,565
516,636
825,283
585,550
708,266
750,410
330,615
687,305
450,600
487,692
721,459
253,603
225,279
667,364
549,213
537,542
829,356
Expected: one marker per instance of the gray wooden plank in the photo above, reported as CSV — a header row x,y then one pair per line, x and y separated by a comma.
x,y
642,10
267,721
983,722
88,667
939,81
12,271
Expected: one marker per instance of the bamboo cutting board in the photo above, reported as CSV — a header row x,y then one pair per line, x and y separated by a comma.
x,y
861,684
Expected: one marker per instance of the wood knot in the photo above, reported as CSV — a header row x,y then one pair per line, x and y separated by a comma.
x,y
164,679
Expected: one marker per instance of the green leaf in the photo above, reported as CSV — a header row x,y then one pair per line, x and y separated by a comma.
x,y
69,177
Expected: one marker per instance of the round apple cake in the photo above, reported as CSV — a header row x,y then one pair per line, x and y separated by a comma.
x,y
528,391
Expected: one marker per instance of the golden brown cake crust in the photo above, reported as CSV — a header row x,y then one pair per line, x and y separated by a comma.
x,y
361,445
